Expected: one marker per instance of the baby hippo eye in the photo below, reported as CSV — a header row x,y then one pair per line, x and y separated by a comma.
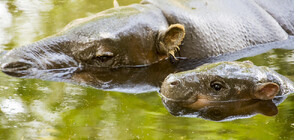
x,y
217,86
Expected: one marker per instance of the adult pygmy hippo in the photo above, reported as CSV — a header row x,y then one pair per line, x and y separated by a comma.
x,y
143,34
191,91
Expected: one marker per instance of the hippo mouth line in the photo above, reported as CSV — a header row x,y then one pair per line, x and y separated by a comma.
x,y
166,99
188,101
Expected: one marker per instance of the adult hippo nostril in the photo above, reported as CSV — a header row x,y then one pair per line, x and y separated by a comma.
x,y
16,66
17,69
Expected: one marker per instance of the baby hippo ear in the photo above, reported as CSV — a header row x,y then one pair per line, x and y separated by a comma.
x,y
170,39
266,91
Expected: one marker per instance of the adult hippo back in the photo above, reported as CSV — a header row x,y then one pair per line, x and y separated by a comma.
x,y
215,27
143,34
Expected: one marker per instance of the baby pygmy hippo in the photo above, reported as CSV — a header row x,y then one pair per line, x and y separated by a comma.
x,y
191,91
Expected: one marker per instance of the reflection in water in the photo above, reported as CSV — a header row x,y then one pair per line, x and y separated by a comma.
x,y
226,110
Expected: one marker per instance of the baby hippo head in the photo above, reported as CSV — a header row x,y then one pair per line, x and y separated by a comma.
x,y
219,82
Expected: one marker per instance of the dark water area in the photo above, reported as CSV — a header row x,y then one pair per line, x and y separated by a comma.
x,y
73,108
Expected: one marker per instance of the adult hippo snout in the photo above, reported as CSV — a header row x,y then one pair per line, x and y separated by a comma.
x,y
42,55
15,68
15,64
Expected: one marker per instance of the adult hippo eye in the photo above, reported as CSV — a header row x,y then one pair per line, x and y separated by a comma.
x,y
103,57
217,86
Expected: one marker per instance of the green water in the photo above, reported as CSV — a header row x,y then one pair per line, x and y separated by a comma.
x,y
36,109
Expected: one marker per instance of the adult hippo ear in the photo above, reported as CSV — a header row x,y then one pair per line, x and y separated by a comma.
x,y
170,39
266,91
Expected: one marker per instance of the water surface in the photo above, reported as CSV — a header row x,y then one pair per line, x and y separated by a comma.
x,y
37,109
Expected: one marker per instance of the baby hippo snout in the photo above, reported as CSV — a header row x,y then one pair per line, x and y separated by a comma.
x,y
173,89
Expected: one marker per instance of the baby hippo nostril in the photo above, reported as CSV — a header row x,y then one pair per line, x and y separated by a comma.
x,y
174,83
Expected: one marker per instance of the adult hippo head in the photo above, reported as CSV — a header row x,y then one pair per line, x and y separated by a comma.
x,y
189,92
134,35
145,33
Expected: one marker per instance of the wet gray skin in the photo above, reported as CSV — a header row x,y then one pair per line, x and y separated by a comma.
x,y
143,34
190,91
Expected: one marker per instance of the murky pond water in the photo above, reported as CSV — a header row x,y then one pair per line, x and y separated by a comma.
x,y
37,109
